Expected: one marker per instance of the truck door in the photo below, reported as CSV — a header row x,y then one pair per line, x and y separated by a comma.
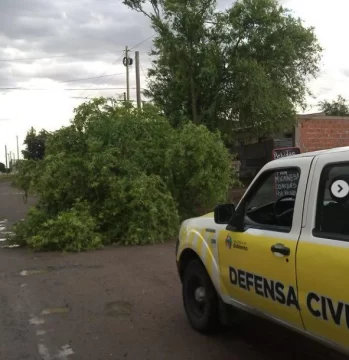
x,y
258,263
323,251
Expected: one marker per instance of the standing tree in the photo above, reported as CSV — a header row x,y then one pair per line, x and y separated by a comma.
x,y
243,67
35,145
2,167
339,107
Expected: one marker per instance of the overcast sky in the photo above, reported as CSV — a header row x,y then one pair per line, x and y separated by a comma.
x,y
49,44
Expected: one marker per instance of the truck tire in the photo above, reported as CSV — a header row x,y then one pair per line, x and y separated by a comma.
x,y
200,298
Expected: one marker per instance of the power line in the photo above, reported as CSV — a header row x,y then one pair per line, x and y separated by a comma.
x,y
68,89
89,78
90,98
74,80
142,42
54,56
118,59
99,77
143,70
72,55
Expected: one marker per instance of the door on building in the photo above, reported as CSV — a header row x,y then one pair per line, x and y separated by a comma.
x,y
323,252
258,262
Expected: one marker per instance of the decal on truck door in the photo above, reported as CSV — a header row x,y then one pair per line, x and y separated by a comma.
x,y
260,270
323,252
269,289
319,306
326,309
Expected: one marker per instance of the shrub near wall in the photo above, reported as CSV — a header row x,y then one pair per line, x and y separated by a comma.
x,y
126,173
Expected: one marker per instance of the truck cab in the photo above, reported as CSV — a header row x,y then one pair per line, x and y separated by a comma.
x,y
281,253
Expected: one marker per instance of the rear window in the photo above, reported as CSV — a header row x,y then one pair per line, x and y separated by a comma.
x,y
332,215
331,172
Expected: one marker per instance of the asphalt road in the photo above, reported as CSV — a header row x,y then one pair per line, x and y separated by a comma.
x,y
117,303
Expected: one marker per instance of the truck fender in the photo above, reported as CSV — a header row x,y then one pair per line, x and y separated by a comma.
x,y
194,245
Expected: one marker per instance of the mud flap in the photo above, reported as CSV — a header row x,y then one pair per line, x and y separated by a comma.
x,y
230,316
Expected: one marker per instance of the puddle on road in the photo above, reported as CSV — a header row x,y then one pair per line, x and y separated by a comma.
x,y
9,246
3,221
2,240
32,272
63,310
118,308
2,228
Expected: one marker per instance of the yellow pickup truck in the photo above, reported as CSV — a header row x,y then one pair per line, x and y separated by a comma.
x,y
282,252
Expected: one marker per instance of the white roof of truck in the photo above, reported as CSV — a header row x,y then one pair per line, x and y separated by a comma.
x,y
281,161
315,153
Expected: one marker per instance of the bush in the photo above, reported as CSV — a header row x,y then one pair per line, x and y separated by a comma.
x,y
202,170
72,230
150,214
26,229
29,172
119,174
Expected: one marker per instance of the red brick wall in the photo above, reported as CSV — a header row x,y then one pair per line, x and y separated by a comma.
x,y
319,133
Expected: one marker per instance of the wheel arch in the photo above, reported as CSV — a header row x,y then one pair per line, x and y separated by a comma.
x,y
208,262
185,258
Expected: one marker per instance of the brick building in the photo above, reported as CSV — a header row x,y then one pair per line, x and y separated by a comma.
x,y
312,132
317,132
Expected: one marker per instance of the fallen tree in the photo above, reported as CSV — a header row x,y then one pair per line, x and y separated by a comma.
x,y
117,174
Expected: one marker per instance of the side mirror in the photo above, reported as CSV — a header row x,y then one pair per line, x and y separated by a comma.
x,y
223,213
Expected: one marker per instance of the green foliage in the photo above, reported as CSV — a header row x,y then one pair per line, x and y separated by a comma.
x,y
2,167
339,107
149,214
35,144
132,175
26,229
27,176
249,63
201,169
71,230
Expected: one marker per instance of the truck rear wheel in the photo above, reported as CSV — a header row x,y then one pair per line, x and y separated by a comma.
x,y
200,298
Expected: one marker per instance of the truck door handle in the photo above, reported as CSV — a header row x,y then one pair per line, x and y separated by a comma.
x,y
281,249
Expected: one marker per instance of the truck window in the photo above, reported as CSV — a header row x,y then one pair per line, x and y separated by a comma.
x,y
272,199
332,213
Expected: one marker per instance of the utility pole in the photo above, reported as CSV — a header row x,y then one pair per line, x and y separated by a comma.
x,y
138,81
17,148
127,74
6,156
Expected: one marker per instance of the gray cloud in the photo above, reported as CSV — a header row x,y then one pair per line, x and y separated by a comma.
x,y
39,28
76,29
345,72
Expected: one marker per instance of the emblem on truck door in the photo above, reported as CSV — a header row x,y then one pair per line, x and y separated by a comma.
x,y
228,242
